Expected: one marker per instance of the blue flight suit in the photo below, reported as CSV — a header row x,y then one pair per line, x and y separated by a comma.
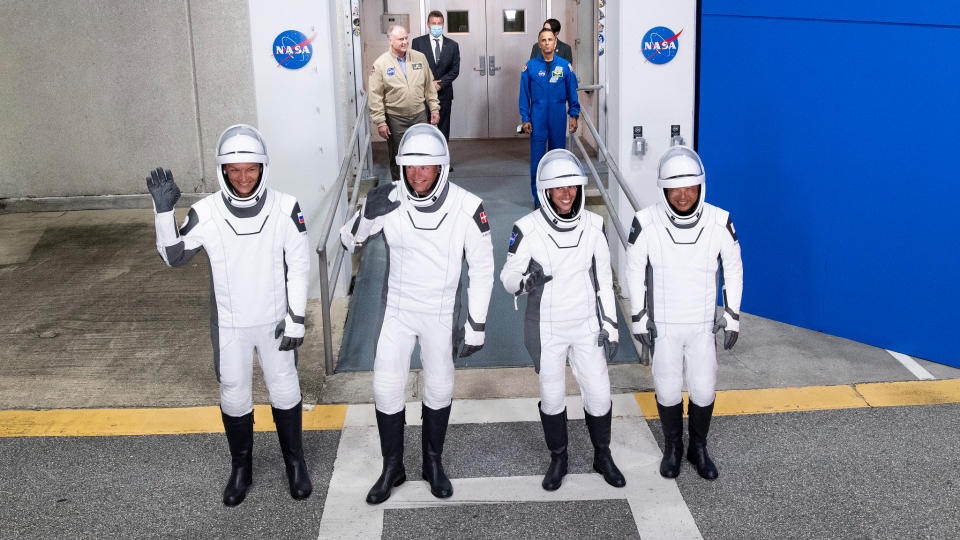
x,y
545,90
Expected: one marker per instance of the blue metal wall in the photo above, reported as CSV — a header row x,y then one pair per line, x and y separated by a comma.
x,y
830,132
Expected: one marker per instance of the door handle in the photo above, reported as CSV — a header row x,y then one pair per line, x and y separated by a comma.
x,y
493,67
482,68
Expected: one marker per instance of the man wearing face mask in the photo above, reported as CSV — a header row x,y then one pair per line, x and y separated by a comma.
x,y
678,248
430,226
443,55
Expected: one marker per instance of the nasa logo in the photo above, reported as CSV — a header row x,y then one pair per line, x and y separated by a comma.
x,y
660,45
542,73
390,72
292,49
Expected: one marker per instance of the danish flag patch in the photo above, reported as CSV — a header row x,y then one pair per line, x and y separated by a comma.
x,y
483,217
480,218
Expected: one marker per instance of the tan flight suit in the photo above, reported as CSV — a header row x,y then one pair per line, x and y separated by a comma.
x,y
396,100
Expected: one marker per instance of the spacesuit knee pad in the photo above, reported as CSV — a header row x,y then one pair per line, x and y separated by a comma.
x,y
437,391
389,393
235,399
702,390
596,399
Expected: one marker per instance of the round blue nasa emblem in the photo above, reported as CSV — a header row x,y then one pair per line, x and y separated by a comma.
x,y
660,45
292,49
390,72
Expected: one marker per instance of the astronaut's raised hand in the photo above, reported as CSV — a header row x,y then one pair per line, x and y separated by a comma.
x,y
644,329
291,331
611,347
472,339
533,280
379,203
163,189
730,324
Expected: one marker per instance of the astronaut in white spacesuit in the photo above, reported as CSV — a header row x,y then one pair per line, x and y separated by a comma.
x,y
676,249
429,225
558,256
256,241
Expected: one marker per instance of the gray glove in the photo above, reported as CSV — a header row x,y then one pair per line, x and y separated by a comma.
x,y
163,189
648,337
533,281
287,343
603,340
729,336
379,203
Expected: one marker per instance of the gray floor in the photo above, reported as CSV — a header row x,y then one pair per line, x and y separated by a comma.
x,y
154,486
865,473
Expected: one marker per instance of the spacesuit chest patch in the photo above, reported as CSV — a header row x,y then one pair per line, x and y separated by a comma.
x,y
515,237
297,216
480,218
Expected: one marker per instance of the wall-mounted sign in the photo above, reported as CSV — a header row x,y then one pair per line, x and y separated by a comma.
x,y
660,45
293,49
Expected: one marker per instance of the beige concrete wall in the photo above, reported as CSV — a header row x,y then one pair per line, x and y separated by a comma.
x,y
96,92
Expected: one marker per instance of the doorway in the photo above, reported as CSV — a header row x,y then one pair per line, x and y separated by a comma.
x,y
495,37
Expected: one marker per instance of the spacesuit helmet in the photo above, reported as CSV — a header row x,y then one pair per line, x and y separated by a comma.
x,y
242,143
680,166
424,144
560,168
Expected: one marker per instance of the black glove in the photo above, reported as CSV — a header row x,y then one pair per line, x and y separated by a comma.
x,y
287,343
467,350
379,203
610,347
533,281
163,189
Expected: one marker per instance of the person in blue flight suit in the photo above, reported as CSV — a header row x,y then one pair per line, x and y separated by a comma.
x,y
547,87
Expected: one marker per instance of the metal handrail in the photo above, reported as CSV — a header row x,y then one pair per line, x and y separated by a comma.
x,y
327,284
645,353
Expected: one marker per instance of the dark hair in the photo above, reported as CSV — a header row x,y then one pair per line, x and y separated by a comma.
x,y
554,25
435,13
546,30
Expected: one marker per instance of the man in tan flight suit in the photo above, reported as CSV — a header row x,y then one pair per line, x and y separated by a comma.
x,y
400,81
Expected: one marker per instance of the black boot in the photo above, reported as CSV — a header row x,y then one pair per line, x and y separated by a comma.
x,y
290,432
699,419
434,432
599,428
555,432
239,431
671,418
390,427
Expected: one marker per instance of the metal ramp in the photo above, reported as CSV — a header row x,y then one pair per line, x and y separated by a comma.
x,y
497,172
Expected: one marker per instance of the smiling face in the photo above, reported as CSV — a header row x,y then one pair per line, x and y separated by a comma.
x,y
683,198
562,198
421,178
243,177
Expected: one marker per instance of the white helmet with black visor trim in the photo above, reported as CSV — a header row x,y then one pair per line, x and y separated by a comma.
x,y
242,143
560,168
424,144
680,166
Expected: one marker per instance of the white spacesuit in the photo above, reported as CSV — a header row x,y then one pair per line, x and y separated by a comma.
x,y
558,255
428,233
259,260
673,262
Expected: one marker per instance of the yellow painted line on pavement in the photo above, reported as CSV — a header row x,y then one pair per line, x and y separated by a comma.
x,y
167,421
819,398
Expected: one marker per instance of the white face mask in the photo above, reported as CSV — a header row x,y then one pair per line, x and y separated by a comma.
x,y
436,30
